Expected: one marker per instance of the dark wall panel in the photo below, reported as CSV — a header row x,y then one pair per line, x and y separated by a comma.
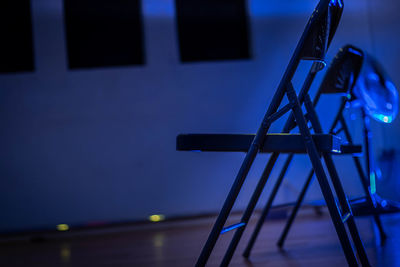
x,y
103,33
212,30
16,44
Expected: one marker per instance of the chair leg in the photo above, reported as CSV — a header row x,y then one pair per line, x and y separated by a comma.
x,y
267,207
322,179
289,125
347,209
345,205
339,118
368,196
363,180
249,209
227,207
295,210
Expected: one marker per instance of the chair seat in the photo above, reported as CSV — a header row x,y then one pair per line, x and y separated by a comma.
x,y
282,143
351,149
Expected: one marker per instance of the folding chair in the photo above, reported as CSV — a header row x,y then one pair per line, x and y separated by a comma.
x,y
343,77
313,45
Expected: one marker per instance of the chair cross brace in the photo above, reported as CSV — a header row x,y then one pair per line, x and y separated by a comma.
x,y
312,45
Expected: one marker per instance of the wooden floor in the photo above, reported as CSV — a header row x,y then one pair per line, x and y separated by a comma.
x,y
312,242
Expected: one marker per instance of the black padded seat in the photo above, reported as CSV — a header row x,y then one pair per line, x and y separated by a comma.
x,y
282,143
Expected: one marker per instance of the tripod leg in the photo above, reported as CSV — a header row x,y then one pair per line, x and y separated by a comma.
x,y
363,180
368,196
267,207
295,209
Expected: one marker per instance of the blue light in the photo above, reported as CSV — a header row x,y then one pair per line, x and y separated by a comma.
x,y
337,2
376,92
372,183
232,227
262,8
382,118
378,173
354,51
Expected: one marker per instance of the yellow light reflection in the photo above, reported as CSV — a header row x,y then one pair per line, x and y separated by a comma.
x,y
156,218
65,253
158,240
62,227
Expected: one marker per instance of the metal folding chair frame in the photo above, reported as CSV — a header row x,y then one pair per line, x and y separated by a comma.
x,y
369,198
312,45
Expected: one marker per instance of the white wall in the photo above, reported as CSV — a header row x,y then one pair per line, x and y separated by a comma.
x,y
98,145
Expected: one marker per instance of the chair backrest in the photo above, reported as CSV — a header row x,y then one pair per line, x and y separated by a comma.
x,y
320,29
313,44
343,72
363,81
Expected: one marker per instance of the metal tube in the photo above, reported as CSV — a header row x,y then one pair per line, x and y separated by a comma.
x,y
345,205
323,180
249,210
363,179
267,207
286,129
296,208
251,155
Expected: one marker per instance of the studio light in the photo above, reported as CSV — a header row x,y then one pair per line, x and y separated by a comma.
x,y
376,92
365,85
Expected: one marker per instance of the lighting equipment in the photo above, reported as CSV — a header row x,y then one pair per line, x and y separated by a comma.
x,y
364,84
367,86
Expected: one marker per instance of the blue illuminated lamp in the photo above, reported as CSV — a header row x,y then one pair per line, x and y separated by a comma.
x,y
376,92
366,85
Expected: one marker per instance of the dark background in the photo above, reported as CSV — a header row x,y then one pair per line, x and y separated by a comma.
x,y
89,139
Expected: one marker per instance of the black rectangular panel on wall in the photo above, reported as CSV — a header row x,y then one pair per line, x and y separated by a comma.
x,y
212,30
16,44
102,33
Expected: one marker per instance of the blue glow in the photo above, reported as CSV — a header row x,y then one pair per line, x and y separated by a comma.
x,y
376,93
346,217
337,2
383,118
232,227
355,52
262,8
378,173
257,8
372,183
